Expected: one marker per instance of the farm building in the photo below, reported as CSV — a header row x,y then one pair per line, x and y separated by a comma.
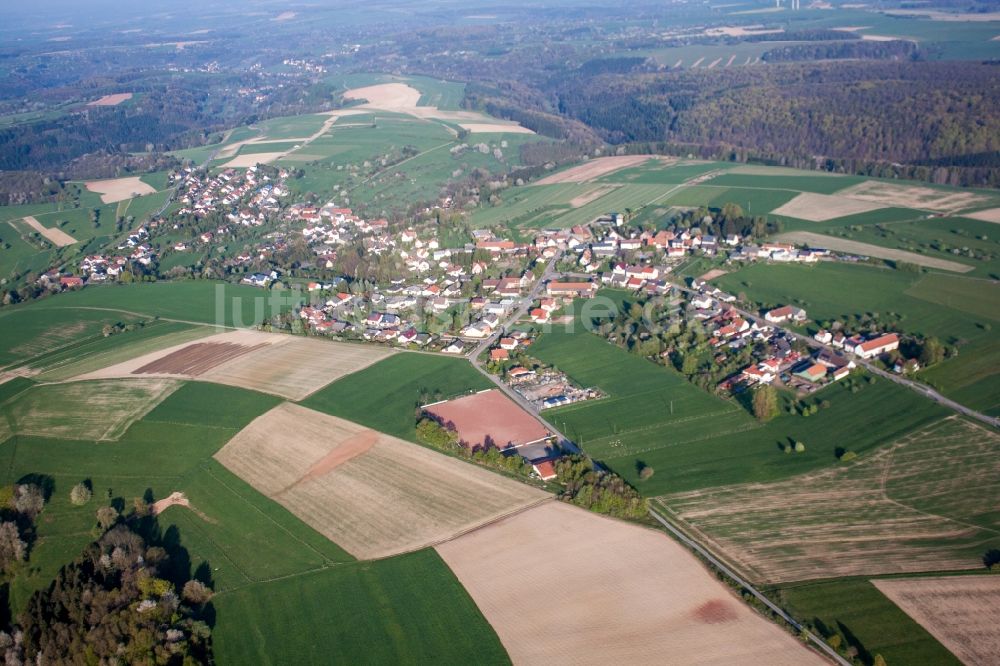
x,y
877,346
571,289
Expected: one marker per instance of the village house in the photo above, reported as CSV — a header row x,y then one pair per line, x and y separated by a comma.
x,y
785,313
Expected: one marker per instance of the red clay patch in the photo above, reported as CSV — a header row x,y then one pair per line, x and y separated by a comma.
x,y
489,415
350,448
715,611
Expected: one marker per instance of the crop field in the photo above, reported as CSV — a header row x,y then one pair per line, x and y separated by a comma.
x,y
914,196
198,301
596,168
95,353
366,398
654,173
704,56
866,618
119,189
972,242
960,611
406,609
786,179
869,250
924,503
822,207
647,594
991,215
31,332
372,494
290,367
97,410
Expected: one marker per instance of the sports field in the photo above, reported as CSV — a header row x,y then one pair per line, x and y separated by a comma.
x,y
372,494
960,611
489,416
637,595
924,503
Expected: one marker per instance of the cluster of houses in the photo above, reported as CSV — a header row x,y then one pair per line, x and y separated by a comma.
x,y
249,195
866,347
783,252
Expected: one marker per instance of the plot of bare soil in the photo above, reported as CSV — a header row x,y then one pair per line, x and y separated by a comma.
x,y
561,585
253,159
403,98
119,189
178,499
291,367
988,215
57,237
489,416
487,128
962,612
867,249
595,168
712,274
111,100
822,207
374,495
922,504
195,359
913,196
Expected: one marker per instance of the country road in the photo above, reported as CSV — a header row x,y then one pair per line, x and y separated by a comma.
x,y
695,546
522,309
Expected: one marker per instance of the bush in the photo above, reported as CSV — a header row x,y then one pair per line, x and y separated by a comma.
x,y
80,494
106,517
646,472
799,447
847,456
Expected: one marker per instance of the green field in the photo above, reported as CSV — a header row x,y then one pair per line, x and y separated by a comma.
x,y
196,301
867,619
367,398
405,610
284,593
705,441
820,184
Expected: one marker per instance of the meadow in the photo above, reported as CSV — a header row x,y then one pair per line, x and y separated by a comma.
x,y
367,398
274,576
692,439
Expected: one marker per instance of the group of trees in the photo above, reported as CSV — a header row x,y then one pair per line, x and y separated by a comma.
x,y
443,437
598,489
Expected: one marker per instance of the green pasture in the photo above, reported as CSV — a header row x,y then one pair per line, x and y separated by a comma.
x,y
367,398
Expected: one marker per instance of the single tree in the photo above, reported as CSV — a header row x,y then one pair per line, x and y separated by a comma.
x,y
765,403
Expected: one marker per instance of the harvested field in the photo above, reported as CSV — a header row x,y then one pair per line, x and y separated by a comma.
x,y
92,410
562,585
489,416
962,612
822,207
111,100
252,159
867,249
372,494
595,168
386,95
712,274
287,366
925,503
57,237
591,195
988,215
487,128
119,189
295,367
195,359
913,196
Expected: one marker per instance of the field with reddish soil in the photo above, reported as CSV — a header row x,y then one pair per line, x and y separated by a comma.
x,y
488,416
372,494
562,585
963,612
195,359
